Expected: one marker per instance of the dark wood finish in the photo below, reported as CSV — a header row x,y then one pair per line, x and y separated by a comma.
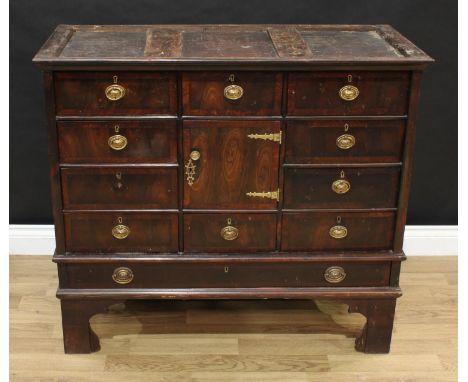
x,y
146,93
310,231
174,76
147,142
149,232
231,164
256,232
203,93
374,187
317,93
226,275
119,188
315,141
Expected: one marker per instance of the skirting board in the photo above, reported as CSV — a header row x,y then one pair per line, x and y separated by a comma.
x,y
419,240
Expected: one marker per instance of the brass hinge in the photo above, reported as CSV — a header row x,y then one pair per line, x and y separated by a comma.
x,y
275,137
269,195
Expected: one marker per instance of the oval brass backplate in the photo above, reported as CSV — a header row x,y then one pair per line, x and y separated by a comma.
x,y
120,231
115,92
122,275
233,92
341,186
229,233
334,274
349,92
117,142
338,232
345,141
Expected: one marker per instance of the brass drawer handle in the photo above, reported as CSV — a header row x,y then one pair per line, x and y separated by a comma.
x,y
120,231
117,142
341,186
335,274
345,141
275,137
229,232
191,167
122,275
349,92
232,91
265,194
338,232
115,92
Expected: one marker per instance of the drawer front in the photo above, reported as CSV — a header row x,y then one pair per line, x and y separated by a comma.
x,y
312,231
375,187
125,188
204,93
142,93
118,142
229,232
226,275
344,141
234,167
121,232
318,93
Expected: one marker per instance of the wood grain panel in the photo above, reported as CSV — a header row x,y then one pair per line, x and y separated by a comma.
x,y
310,231
316,141
149,232
317,93
203,93
122,187
231,164
147,142
146,93
370,187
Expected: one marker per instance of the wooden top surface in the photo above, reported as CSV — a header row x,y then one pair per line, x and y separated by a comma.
x,y
218,44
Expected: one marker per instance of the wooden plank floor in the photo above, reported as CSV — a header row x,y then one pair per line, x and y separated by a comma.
x,y
236,341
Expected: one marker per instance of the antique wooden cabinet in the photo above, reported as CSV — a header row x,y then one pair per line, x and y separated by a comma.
x,y
230,162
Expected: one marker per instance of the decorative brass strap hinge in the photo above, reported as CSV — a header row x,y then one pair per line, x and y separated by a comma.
x,y
275,137
269,195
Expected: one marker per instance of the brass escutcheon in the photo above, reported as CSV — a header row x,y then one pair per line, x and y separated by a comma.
x,y
338,232
334,274
122,275
229,232
117,142
341,186
345,141
233,92
115,92
349,92
120,231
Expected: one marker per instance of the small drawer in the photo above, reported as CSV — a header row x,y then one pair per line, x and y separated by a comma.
x,y
96,232
367,187
348,93
115,93
226,93
344,141
173,275
229,232
119,187
314,231
117,142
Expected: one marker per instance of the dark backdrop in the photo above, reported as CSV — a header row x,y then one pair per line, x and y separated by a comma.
x,y
430,24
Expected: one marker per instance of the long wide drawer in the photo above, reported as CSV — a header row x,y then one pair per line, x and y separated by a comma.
x,y
311,231
229,232
344,141
355,187
115,93
348,93
227,93
117,142
121,232
121,274
119,187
